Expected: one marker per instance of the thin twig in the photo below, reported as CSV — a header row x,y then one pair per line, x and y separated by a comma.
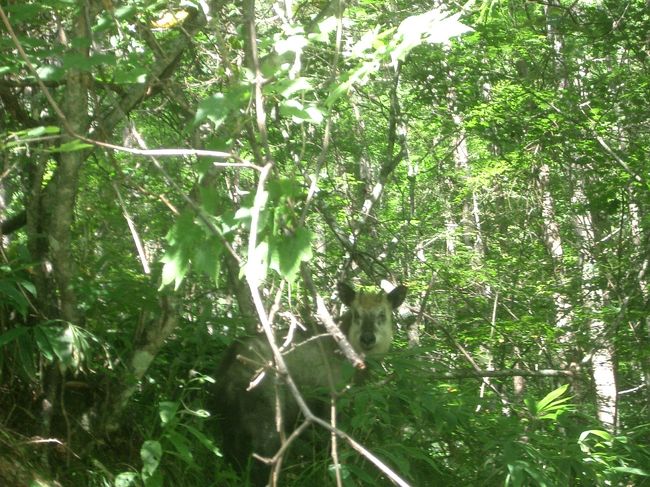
x,y
477,374
364,451
134,231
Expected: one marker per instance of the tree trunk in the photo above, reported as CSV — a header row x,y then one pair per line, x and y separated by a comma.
x,y
602,360
553,243
643,327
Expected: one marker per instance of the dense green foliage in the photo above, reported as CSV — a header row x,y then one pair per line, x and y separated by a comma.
x,y
494,161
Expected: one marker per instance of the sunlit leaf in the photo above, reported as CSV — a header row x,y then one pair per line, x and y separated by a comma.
x,y
42,130
167,411
170,19
288,252
300,113
150,453
288,87
126,479
174,269
72,146
257,263
431,27
295,44
204,440
130,74
605,435
551,405
214,108
181,445
60,341
631,471
50,73
365,43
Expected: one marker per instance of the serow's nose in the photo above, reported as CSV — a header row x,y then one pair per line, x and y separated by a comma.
x,y
367,339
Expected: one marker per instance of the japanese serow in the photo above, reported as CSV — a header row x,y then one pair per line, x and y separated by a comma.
x,y
251,401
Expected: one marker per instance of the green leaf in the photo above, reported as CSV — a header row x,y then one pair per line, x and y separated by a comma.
x,y
150,453
288,252
175,267
215,108
26,354
12,334
181,445
28,286
358,473
167,411
284,188
257,264
551,405
365,43
80,62
300,113
42,130
126,479
207,258
344,471
65,342
357,75
203,439
288,87
552,396
50,73
184,237
43,343
218,106
130,75
327,25
10,293
71,146
294,44
605,435
21,11
431,27
125,11
631,471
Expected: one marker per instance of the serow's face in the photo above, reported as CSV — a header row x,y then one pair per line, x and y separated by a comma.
x,y
370,328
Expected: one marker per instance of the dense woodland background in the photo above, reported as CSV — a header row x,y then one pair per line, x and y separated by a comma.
x,y
173,169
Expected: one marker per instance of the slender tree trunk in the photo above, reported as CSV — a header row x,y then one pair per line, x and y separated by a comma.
x,y
602,360
553,243
642,281
66,178
56,217
593,295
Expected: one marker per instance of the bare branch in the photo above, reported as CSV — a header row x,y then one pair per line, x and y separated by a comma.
x,y
134,231
469,373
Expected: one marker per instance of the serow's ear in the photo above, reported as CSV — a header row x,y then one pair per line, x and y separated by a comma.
x,y
346,293
396,296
